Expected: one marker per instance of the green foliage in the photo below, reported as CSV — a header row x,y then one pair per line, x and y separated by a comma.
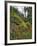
x,y
20,27
30,15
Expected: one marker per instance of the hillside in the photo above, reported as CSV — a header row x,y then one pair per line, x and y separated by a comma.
x,y
20,27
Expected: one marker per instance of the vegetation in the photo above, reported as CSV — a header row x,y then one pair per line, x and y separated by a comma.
x,y
20,27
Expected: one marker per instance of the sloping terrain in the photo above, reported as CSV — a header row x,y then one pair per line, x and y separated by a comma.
x,y
20,27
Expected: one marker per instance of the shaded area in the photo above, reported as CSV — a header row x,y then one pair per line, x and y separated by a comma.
x,y
20,27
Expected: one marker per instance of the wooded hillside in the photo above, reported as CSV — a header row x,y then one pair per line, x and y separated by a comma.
x,y
20,27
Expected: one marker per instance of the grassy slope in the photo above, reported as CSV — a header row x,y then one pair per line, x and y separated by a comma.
x,y
19,33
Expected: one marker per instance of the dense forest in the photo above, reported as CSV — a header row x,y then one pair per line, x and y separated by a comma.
x,y
20,27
